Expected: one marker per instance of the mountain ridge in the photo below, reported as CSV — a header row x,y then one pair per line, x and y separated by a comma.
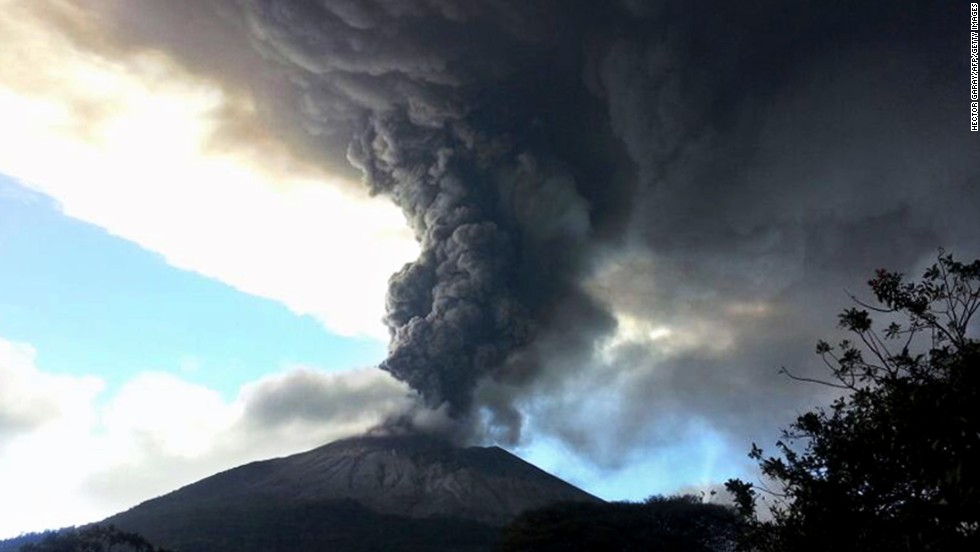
x,y
409,476
360,493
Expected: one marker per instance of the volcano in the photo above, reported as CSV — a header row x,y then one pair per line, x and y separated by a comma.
x,y
363,493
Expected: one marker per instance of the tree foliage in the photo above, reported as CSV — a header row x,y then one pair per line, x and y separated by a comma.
x,y
682,524
893,463
94,538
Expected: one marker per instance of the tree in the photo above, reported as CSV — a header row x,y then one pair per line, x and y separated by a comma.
x,y
893,463
682,524
94,538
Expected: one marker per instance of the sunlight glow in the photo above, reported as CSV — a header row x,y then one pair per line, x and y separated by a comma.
x,y
131,146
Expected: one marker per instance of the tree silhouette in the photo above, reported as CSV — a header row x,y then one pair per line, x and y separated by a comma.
x,y
893,463
681,524
94,538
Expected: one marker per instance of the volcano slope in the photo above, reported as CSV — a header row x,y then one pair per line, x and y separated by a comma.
x,y
363,493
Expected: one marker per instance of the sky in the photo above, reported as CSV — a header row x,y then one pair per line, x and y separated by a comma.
x,y
591,233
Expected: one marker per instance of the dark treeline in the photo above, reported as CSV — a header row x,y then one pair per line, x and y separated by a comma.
x,y
676,524
92,538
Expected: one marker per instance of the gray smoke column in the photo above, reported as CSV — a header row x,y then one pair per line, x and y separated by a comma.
x,y
444,103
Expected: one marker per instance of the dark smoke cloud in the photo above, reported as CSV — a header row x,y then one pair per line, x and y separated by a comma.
x,y
713,171
448,109
306,396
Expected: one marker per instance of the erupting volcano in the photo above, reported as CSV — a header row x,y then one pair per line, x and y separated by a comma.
x,y
363,493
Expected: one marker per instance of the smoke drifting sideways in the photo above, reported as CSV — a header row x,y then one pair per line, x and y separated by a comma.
x,y
660,200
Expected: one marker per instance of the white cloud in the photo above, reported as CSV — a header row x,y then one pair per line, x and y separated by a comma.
x,y
30,400
166,414
68,458
140,147
44,421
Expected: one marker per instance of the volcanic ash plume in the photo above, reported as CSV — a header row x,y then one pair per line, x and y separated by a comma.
x,y
630,212
518,137
440,101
